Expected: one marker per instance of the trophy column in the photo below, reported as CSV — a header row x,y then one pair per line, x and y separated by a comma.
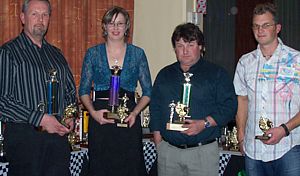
x,y
52,93
113,101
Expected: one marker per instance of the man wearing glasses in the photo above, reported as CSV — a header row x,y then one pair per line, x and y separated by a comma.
x,y
267,82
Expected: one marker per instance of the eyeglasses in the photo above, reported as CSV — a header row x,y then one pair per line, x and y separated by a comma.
x,y
263,26
111,25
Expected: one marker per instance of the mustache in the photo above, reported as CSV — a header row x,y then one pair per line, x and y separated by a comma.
x,y
39,25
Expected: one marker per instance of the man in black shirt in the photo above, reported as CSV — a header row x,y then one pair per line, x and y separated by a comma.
x,y
35,141
211,104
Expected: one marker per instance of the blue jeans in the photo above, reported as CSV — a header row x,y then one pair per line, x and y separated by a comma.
x,y
288,165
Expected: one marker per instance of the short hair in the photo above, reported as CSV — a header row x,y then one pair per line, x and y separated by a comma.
x,y
188,32
26,4
264,8
108,17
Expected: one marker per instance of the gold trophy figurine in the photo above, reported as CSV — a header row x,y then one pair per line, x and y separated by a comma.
x,y
70,113
122,112
264,124
234,143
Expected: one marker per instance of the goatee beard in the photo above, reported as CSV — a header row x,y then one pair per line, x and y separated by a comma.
x,y
39,32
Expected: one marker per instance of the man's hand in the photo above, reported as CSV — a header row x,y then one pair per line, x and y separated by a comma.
x,y
70,123
276,134
156,137
50,124
194,127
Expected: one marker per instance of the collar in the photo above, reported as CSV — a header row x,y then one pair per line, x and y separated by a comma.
x,y
28,41
193,67
275,56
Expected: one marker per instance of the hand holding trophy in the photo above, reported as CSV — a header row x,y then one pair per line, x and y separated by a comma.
x,y
118,111
70,113
181,109
264,124
51,106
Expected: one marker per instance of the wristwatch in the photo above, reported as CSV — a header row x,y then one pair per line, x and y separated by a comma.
x,y
206,123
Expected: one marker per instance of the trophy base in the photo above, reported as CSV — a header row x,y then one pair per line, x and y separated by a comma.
x,y
175,127
263,137
234,148
114,116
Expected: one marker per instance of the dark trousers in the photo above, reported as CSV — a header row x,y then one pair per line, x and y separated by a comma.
x,y
34,153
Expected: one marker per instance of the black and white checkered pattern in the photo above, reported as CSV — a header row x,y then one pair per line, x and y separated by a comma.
x,y
3,169
149,154
224,159
76,161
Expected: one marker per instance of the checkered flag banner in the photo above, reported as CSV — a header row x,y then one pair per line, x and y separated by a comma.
x,y
201,6
223,161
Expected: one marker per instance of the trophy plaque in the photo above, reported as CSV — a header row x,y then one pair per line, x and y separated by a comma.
x,y
118,111
182,109
264,124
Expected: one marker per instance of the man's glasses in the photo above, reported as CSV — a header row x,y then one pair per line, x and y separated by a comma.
x,y
111,25
263,26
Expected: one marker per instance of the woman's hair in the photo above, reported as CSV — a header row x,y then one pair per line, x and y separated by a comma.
x,y
108,18
264,8
26,4
188,32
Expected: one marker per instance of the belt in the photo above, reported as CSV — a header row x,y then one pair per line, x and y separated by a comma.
x,y
185,146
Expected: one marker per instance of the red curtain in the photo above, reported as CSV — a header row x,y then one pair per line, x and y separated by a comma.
x,y
75,25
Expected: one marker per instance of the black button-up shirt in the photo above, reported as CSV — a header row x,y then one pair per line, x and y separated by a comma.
x,y
212,94
24,72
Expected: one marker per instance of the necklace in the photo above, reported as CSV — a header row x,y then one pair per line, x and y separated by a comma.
x,y
116,62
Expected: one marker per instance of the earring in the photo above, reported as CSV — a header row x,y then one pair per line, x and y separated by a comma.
x,y
105,33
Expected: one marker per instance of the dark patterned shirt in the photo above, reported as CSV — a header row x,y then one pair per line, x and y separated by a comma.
x,y
24,71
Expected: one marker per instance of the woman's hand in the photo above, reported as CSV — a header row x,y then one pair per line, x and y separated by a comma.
x,y
131,118
98,116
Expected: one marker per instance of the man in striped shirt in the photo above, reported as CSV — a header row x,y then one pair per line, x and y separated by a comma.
x,y
35,141
267,82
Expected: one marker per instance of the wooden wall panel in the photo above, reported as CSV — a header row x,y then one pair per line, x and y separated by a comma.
x,y
245,41
75,25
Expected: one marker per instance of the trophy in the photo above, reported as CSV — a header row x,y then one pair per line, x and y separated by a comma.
x,y
264,124
52,93
51,106
122,112
2,152
118,111
181,109
234,143
145,116
70,112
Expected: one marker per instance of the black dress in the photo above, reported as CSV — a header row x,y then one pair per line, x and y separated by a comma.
x,y
115,151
